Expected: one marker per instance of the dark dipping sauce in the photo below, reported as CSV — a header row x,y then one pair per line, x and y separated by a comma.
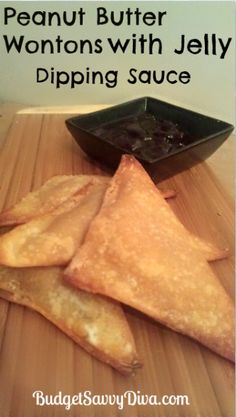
x,y
144,135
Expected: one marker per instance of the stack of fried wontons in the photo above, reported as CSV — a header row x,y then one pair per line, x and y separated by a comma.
x,y
84,244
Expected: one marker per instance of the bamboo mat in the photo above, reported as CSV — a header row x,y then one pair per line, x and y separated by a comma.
x,y
35,355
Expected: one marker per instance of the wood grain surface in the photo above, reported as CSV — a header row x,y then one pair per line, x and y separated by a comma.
x,y
35,355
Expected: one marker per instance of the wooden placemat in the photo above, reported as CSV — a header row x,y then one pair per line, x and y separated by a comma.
x,y
35,355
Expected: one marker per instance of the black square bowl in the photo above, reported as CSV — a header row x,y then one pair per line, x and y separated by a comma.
x,y
205,135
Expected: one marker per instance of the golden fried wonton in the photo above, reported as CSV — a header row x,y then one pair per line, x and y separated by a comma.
x,y
50,195
52,239
45,199
136,251
82,316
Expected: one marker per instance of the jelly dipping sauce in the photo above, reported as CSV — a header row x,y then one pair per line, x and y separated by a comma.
x,y
144,135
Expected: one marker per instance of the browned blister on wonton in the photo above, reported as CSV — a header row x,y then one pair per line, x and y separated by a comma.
x,y
50,195
83,317
52,239
136,251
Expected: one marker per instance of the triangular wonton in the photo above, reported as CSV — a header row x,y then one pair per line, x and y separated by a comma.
x,y
53,238
137,251
82,316
58,189
45,199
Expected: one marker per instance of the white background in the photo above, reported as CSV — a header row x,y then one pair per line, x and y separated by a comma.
x,y
210,91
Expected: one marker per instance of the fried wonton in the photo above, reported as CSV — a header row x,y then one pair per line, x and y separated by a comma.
x,y
136,251
54,192
50,195
52,239
83,317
